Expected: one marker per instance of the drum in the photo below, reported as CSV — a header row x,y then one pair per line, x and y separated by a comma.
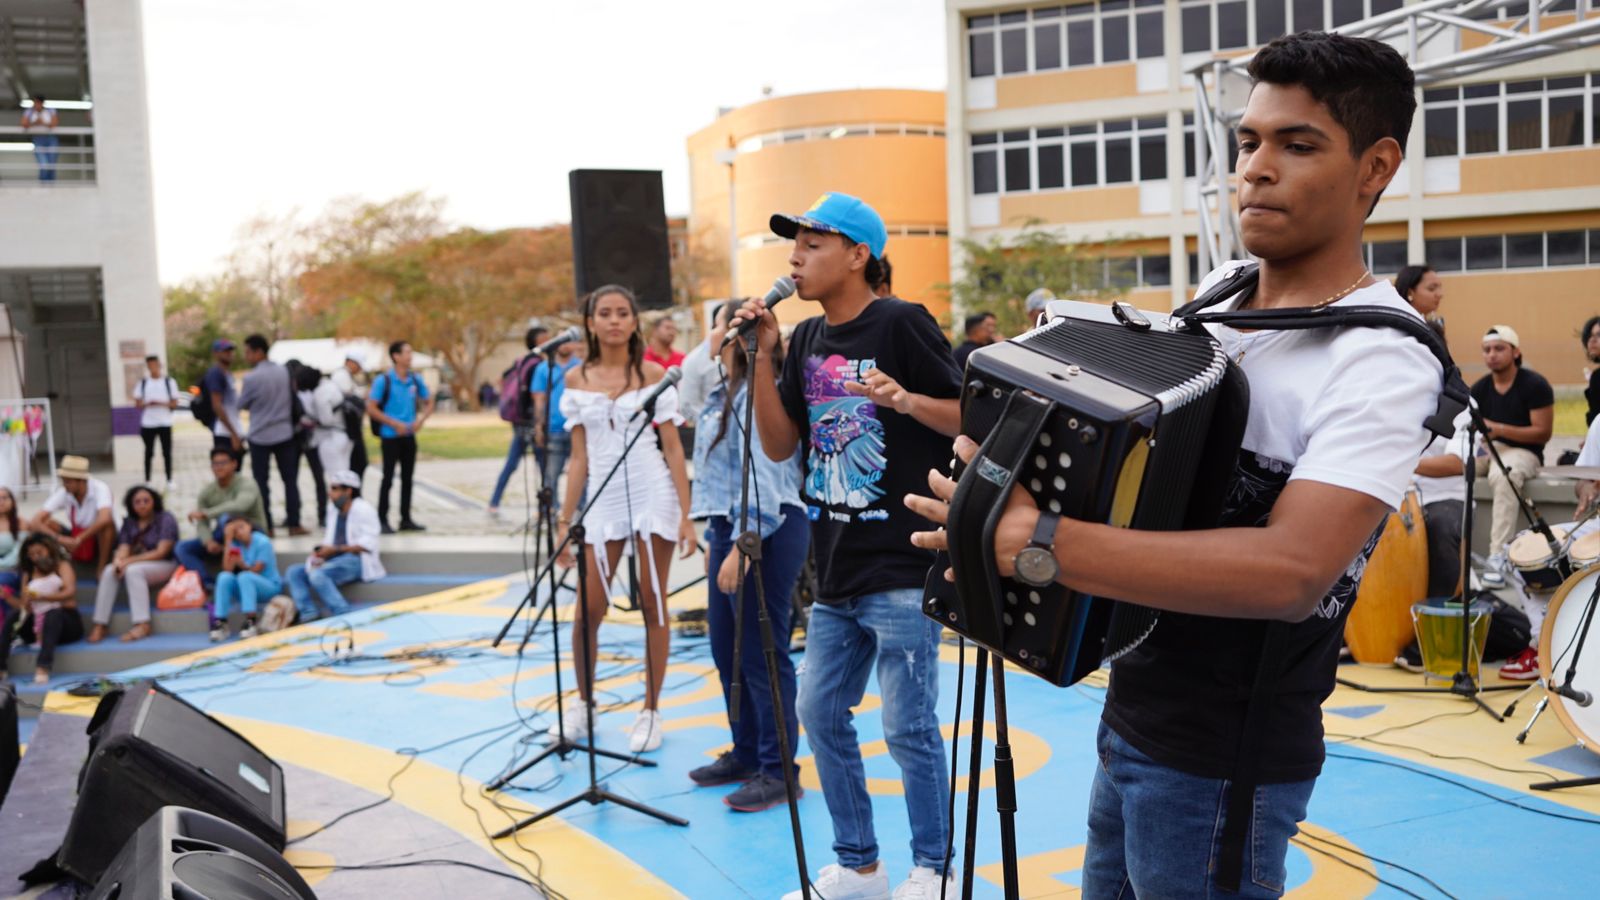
x,y
1558,640
1439,637
1585,551
1541,569
1396,577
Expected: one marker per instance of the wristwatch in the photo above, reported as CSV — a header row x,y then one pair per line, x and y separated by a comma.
x,y
1036,565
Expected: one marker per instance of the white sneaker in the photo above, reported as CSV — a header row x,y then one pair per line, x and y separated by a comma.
x,y
1494,572
576,718
248,631
925,884
838,883
219,634
645,735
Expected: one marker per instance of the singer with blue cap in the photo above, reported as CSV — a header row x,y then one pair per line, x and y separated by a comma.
x,y
868,394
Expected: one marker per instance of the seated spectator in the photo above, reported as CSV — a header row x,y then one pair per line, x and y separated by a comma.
x,y
1439,481
231,493
90,531
349,552
143,559
11,536
48,603
1518,409
249,573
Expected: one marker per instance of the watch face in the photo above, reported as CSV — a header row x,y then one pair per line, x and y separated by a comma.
x,y
1036,566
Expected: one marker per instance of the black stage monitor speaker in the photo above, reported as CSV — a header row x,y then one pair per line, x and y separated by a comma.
x,y
10,746
149,749
183,854
619,234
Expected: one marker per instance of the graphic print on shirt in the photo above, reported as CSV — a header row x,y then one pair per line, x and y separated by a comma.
x,y
845,460
1257,482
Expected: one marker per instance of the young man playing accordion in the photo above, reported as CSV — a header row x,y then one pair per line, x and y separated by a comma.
x,y
1334,431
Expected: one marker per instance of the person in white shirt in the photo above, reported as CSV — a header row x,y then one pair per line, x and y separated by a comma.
x,y
348,552
90,532
351,379
156,396
325,406
701,373
1443,491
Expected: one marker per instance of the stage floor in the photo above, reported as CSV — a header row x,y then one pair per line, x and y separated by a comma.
x,y
1423,782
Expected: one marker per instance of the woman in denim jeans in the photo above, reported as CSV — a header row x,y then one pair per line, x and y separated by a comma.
x,y
778,515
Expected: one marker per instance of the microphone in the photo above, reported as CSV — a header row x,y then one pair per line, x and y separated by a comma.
x,y
781,288
673,376
572,333
1580,697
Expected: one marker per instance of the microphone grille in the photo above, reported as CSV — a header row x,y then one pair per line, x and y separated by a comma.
x,y
783,286
572,333
674,375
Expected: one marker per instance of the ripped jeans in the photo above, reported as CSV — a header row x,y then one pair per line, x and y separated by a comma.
x,y
842,645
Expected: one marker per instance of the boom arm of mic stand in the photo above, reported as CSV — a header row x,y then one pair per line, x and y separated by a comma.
x,y
551,562
1529,511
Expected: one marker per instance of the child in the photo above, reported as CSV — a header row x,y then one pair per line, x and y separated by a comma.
x,y
250,571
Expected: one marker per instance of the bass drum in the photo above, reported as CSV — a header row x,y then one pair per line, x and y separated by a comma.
x,y
1396,577
1558,640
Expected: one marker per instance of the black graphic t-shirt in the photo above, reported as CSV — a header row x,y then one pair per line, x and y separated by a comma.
x,y
860,459
1340,407
1529,391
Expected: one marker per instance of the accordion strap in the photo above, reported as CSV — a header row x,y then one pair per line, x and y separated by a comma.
x,y
1453,395
981,496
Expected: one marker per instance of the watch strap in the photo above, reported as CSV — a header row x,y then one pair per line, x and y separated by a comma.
x,y
1044,533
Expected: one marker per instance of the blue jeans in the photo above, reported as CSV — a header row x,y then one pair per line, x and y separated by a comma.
x,y
1157,832
324,580
755,735
192,555
842,645
250,587
44,153
521,439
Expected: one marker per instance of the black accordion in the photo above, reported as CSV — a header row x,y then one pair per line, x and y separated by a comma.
x,y
1103,415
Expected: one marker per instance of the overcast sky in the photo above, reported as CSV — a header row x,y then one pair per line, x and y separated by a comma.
x,y
267,107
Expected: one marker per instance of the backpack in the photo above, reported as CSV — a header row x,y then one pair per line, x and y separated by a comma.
x,y
380,399
352,407
201,407
516,399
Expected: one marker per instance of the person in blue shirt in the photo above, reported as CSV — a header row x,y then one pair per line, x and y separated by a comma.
x,y
547,389
249,572
400,404
778,515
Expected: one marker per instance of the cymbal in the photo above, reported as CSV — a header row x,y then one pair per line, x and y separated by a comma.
x,y
1579,473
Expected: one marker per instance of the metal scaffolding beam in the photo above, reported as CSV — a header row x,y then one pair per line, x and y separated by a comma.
x,y
1220,85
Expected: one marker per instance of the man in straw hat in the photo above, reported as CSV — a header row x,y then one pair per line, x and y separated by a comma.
x,y
89,533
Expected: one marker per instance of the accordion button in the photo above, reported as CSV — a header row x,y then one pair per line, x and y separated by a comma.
x,y
1033,597
1055,506
1040,462
1065,460
1008,618
1044,439
1060,483
1028,617
1035,485
1011,598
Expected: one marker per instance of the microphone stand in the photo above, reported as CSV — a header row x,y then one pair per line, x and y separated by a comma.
x,y
749,546
594,794
1463,684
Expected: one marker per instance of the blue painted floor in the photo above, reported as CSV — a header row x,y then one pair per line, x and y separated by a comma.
x,y
1467,827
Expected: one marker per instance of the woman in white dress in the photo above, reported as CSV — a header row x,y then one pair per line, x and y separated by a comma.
x,y
645,505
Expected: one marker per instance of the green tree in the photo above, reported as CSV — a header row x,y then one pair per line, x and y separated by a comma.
x,y
1000,273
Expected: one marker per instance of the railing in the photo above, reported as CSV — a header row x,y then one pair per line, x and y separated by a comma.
x,y
72,161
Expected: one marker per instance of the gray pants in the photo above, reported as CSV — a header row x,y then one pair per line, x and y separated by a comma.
x,y
141,577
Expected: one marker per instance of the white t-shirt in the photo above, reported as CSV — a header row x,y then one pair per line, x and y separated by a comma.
x,y
1450,487
95,498
1346,405
1590,454
156,391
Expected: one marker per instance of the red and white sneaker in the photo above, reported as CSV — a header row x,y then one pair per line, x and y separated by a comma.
x,y
1522,667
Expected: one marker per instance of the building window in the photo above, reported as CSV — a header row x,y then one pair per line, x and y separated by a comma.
x,y
1443,254
1092,154
1386,257
1520,250
1049,38
1564,248
1503,117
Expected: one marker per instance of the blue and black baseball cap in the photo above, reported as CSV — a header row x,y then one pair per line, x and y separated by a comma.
x,y
836,213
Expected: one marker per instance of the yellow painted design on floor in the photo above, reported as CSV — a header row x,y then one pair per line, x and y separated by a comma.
x,y
314,865
1036,873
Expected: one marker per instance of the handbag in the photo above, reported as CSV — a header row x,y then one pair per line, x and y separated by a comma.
x,y
183,590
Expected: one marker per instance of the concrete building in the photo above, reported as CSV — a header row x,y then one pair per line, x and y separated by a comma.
x,y
77,252
1082,116
780,154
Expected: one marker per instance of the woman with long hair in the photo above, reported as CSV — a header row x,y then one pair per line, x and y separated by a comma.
x,y
11,535
642,510
48,603
1422,288
778,515
143,559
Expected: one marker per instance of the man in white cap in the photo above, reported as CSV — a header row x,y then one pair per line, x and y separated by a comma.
x,y
348,552
351,378
90,530
1038,298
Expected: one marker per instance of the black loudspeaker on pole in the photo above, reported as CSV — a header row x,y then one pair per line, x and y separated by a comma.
x,y
619,234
